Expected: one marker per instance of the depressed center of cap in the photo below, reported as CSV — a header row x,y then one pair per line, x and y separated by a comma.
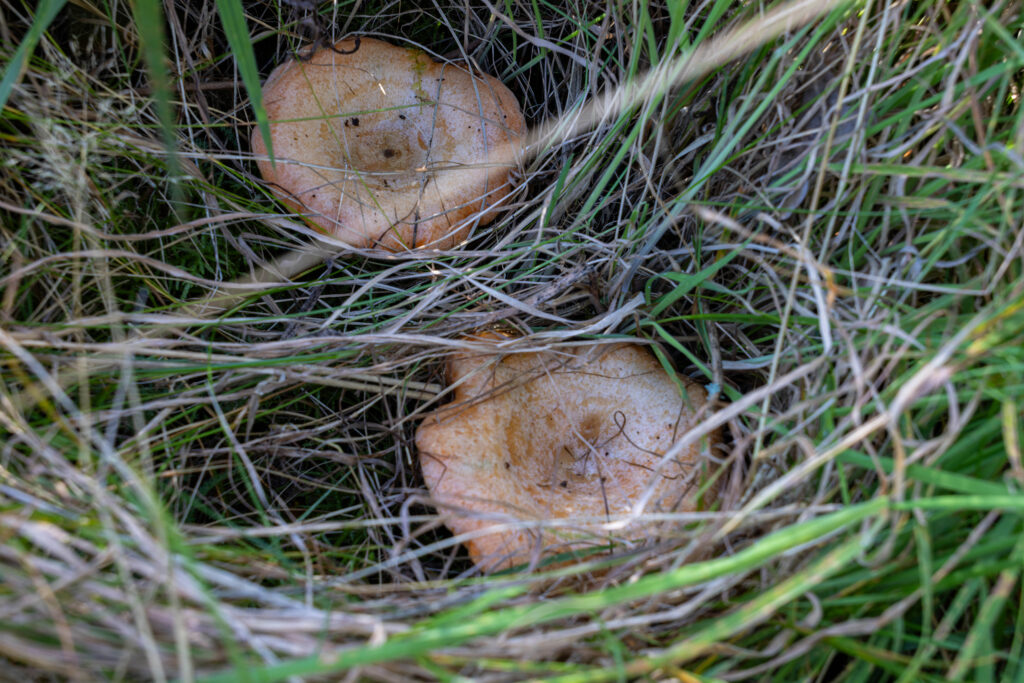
x,y
380,146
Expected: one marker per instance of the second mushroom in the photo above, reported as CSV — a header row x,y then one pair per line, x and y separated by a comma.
x,y
543,453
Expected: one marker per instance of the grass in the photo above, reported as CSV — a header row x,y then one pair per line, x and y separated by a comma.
x,y
207,468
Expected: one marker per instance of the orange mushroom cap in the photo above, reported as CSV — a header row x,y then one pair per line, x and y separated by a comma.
x,y
574,435
380,145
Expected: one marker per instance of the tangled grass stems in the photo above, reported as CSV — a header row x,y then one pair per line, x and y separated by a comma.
x,y
825,230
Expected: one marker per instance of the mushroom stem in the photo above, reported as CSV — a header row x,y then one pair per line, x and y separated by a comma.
x,y
282,270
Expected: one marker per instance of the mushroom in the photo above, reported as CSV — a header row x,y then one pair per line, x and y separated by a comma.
x,y
577,436
379,145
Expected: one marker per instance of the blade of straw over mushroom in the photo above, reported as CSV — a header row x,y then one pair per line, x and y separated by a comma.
x,y
380,145
511,144
575,437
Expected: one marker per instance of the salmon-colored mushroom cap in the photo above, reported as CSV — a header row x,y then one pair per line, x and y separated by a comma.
x,y
381,146
571,435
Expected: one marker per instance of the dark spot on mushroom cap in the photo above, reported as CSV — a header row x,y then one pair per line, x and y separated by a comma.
x,y
351,218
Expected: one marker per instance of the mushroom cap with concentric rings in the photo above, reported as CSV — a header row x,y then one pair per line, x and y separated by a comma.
x,y
577,436
381,146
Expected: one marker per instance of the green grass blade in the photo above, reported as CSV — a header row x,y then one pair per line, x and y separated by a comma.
x,y
978,652
929,475
426,640
754,612
45,14
687,282
233,17
953,611
149,20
